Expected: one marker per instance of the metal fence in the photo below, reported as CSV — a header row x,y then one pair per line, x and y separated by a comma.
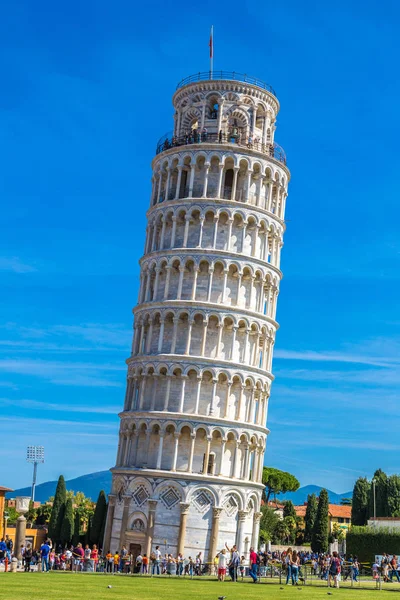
x,y
226,76
272,150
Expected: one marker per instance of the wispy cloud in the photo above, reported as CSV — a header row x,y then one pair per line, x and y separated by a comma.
x,y
15,265
341,357
80,406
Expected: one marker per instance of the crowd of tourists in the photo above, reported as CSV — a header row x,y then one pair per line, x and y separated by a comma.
x,y
292,566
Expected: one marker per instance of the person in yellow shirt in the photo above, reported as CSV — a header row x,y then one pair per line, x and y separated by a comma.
x,y
116,562
109,562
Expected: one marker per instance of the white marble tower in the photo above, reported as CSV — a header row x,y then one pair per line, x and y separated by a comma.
x,y
193,429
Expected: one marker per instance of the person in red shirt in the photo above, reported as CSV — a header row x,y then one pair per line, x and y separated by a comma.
x,y
253,565
94,555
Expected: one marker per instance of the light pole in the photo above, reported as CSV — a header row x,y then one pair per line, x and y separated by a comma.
x,y
35,455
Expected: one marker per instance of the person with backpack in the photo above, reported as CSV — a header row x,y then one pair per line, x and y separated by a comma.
x,y
334,570
155,558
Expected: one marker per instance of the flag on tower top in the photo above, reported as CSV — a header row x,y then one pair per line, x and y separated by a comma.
x,y
211,42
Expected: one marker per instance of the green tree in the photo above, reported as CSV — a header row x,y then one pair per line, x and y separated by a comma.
x,y
57,512
100,513
346,502
288,510
282,532
310,516
77,528
291,524
278,482
319,540
12,515
67,525
103,527
381,494
361,499
268,523
393,495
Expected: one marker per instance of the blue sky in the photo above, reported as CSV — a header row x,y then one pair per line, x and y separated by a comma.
x,y
86,93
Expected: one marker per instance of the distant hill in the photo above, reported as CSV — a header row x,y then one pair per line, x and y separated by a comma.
x,y
90,485
300,496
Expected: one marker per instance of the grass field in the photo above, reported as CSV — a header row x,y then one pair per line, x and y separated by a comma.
x,y
86,586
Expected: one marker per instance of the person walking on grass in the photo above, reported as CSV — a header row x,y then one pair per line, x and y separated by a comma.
x,y
44,554
222,561
288,565
253,565
334,570
294,566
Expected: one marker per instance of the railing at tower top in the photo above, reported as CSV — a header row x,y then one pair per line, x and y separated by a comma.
x,y
273,150
226,76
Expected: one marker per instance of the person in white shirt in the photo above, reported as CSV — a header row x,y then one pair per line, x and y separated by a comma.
x,y
222,561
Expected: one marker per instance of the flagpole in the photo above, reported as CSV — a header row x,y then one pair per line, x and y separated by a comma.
x,y
211,51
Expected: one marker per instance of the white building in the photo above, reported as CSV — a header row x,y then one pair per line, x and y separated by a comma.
x,y
193,430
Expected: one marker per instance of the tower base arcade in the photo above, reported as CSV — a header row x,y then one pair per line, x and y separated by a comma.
x,y
181,516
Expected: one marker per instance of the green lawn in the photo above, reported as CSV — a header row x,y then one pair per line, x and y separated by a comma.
x,y
87,586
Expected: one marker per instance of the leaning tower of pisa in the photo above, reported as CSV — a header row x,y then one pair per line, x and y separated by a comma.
x,y
193,427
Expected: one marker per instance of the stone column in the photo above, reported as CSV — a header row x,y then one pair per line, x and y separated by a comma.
x,y
201,232
235,456
182,527
167,391
174,334
161,335
214,382
215,232
204,338
173,233
196,409
221,457
234,183
124,522
189,336
167,278
152,504
180,282
249,174
243,237
220,177
191,453
20,536
167,184
210,282
186,231
142,390
195,274
207,168
160,450
240,402
156,282
242,514
220,328
182,400
109,523
230,224
224,286
164,224
154,395
214,534
256,530
175,457
178,183
191,180
228,395
207,456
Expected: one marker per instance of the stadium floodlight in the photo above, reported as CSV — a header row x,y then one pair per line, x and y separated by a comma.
x,y
35,455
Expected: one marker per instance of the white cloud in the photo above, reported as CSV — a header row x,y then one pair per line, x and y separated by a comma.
x,y
15,265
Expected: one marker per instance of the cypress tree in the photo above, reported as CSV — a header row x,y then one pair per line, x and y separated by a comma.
x,y
67,526
98,519
103,528
319,540
393,496
57,511
77,528
311,515
360,504
381,494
